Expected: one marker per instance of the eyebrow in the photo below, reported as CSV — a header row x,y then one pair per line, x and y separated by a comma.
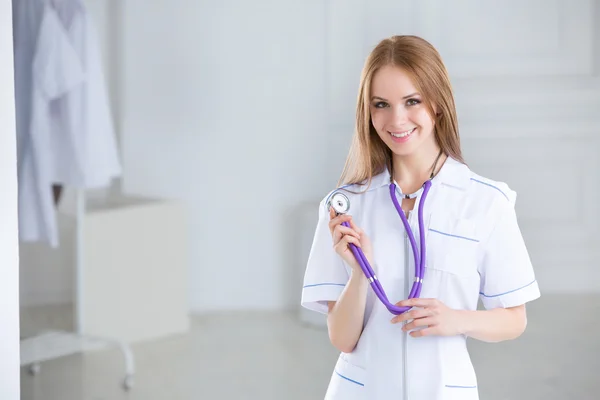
x,y
404,98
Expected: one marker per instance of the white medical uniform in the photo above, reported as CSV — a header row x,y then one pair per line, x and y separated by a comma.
x,y
475,251
64,124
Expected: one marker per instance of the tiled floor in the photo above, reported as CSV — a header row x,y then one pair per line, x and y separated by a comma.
x,y
271,356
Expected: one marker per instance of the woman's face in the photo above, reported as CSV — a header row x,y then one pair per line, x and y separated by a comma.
x,y
399,114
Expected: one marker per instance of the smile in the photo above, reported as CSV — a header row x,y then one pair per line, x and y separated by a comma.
x,y
402,134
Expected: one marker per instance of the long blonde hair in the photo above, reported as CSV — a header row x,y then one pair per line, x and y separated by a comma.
x,y
369,155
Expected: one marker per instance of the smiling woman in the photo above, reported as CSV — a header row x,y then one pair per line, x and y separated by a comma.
x,y
398,118
423,305
405,89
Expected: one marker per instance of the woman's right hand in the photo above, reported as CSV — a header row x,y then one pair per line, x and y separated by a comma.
x,y
343,236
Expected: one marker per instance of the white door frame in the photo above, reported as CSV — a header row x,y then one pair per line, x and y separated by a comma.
x,y
9,244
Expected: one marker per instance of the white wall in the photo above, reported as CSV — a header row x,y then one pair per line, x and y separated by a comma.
x,y
244,110
257,111
177,75
9,256
224,106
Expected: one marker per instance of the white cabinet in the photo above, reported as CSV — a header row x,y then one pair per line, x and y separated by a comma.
x,y
134,267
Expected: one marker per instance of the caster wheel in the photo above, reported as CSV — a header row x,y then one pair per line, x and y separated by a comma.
x,y
128,382
34,369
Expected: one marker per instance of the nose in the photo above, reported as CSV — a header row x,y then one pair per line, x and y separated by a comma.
x,y
400,115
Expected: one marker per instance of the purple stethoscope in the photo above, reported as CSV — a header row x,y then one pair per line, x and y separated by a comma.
x,y
341,205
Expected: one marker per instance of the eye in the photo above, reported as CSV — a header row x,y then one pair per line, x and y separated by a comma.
x,y
413,102
381,104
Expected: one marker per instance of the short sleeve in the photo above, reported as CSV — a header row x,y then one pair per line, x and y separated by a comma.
x,y
326,275
507,275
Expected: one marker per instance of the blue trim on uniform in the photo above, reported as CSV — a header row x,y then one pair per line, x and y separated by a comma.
x,y
461,387
324,284
348,379
456,236
492,186
510,291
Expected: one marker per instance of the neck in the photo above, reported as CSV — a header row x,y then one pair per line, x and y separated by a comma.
x,y
410,172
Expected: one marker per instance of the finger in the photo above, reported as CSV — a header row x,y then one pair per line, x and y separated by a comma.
x,y
341,231
424,332
347,239
419,322
356,228
413,314
416,302
338,221
346,231
343,244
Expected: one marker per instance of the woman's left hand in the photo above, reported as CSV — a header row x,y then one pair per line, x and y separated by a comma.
x,y
432,317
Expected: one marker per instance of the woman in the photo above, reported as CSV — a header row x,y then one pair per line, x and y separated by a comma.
x,y
406,135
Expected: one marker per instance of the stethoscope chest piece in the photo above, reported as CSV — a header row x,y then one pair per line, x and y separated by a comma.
x,y
340,203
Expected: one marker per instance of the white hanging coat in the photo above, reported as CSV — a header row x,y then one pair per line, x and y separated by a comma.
x,y
66,133
475,251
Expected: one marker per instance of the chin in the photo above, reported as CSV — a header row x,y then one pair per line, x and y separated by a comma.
x,y
404,150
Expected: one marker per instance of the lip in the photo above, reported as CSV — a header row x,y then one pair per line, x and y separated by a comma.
x,y
402,139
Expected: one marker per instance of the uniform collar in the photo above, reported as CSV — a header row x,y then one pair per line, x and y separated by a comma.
x,y
453,173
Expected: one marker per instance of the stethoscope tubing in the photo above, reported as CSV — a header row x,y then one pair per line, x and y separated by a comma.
x,y
419,256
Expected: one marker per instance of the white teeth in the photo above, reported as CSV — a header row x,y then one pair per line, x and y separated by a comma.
x,y
402,134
